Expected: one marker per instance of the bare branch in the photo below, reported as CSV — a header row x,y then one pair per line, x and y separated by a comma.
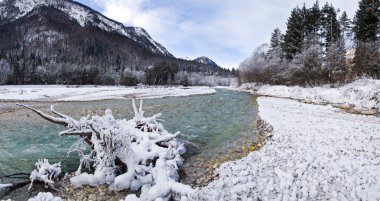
x,y
50,118
58,113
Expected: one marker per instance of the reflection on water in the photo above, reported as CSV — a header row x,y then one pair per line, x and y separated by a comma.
x,y
215,124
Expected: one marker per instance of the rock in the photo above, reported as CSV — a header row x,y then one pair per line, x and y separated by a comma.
x,y
368,112
344,106
215,165
243,148
252,148
92,197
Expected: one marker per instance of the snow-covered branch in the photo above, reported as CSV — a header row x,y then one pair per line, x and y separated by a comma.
x,y
45,172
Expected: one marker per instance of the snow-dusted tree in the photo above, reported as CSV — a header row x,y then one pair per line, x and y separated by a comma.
x,y
346,27
306,68
367,32
336,61
129,78
251,69
276,38
137,154
367,59
274,59
5,71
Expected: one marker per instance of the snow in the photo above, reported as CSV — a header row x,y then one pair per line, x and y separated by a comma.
x,y
2,186
364,94
45,172
48,35
45,197
141,32
89,93
315,153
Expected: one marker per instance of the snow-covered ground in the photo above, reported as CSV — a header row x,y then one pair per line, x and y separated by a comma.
x,y
364,94
316,153
89,93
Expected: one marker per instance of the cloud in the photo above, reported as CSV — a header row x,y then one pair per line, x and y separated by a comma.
x,y
224,30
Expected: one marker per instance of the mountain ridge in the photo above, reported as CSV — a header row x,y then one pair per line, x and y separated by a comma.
x,y
14,9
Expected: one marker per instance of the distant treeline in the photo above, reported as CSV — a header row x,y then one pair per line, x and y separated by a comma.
x,y
320,46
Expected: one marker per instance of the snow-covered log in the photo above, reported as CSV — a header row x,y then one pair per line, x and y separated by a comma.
x,y
4,186
138,154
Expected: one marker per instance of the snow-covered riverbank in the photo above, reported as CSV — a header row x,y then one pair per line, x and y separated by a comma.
x,y
316,153
363,94
90,93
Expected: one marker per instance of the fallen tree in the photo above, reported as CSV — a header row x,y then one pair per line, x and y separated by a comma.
x,y
138,154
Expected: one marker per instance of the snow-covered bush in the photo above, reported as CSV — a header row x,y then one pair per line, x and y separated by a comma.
x,y
45,172
138,154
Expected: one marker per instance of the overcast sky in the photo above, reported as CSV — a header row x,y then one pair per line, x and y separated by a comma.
x,y
226,31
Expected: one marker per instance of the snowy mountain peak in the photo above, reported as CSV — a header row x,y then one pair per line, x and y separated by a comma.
x,y
205,60
11,10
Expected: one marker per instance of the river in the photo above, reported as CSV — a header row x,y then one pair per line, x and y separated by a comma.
x,y
216,125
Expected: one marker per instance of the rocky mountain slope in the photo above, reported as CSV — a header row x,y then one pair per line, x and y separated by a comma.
x,y
205,60
11,10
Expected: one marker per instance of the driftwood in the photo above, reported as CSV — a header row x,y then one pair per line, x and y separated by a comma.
x,y
124,154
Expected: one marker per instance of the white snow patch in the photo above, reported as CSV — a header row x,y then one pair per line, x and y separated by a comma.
x,y
2,186
316,153
141,32
363,93
45,197
89,93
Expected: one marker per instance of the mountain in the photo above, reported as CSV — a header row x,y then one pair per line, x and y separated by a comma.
x,y
11,10
205,60
65,42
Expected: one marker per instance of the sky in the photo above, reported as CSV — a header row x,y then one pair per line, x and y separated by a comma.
x,y
226,31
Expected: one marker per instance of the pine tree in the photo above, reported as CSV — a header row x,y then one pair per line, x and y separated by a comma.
x,y
276,38
366,30
345,25
294,36
274,58
331,27
313,19
366,21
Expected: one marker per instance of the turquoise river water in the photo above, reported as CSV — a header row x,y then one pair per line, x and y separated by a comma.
x,y
215,124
